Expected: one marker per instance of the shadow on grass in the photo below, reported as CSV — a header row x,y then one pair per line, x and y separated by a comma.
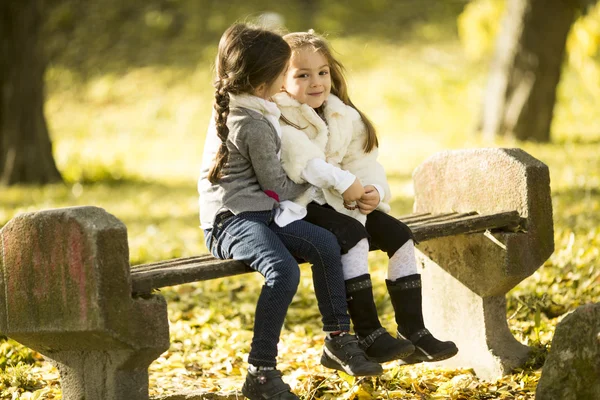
x,y
577,192
573,139
136,195
577,208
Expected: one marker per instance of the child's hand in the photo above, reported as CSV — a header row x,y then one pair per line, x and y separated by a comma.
x,y
353,193
369,201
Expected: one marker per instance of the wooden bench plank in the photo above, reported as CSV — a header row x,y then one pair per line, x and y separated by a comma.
x,y
147,277
508,221
425,217
438,218
414,215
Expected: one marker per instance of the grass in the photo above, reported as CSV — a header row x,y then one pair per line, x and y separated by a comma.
x,y
132,144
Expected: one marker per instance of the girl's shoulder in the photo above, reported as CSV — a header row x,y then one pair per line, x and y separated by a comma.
x,y
284,99
244,120
242,115
336,108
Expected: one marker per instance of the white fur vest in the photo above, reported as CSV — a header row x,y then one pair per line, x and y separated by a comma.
x,y
339,141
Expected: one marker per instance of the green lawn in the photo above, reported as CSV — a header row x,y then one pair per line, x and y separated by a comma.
x,y
132,144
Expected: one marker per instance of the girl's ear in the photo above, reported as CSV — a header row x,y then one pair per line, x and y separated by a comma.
x,y
260,90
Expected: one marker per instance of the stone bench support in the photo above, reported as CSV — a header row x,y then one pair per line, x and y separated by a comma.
x,y
66,291
466,277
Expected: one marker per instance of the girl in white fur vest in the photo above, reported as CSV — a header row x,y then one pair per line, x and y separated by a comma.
x,y
329,143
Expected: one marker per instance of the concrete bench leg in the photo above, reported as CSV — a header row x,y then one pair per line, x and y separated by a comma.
x,y
66,288
466,277
104,374
476,324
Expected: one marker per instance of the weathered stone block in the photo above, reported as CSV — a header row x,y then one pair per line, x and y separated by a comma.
x,y
66,291
572,369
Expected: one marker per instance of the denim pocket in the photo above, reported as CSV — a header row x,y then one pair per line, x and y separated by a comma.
x,y
208,239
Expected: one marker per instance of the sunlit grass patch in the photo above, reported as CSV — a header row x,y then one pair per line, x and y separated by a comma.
x,y
148,124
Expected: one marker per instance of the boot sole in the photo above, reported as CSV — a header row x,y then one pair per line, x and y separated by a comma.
x,y
403,353
418,356
251,394
329,362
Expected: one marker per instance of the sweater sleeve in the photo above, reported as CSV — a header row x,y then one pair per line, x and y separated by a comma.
x,y
259,144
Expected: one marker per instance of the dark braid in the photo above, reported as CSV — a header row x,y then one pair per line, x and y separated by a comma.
x,y
247,58
221,114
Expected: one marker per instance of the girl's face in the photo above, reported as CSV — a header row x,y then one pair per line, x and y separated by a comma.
x,y
308,79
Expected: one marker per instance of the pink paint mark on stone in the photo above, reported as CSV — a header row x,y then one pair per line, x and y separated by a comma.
x,y
56,255
77,266
56,261
39,282
16,272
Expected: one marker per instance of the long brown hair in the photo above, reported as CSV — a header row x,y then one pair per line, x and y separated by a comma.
x,y
247,57
339,87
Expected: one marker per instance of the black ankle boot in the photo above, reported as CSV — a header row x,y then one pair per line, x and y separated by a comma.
x,y
379,345
407,301
343,352
268,384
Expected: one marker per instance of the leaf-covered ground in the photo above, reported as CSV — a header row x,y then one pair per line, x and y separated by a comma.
x,y
132,143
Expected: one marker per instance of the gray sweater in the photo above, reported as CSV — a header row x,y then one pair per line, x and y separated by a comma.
x,y
252,169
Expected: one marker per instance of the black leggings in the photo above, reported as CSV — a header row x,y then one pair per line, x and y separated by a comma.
x,y
383,231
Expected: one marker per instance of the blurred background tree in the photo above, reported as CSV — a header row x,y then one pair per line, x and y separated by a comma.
x,y
25,146
530,48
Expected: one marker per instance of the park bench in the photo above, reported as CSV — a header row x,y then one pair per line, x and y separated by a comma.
x,y
483,220
425,226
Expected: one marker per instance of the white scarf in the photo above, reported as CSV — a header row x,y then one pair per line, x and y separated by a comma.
x,y
267,108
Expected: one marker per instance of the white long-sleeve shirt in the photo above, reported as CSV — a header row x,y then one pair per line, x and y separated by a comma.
x,y
321,175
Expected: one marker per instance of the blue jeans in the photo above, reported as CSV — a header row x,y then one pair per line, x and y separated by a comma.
x,y
255,239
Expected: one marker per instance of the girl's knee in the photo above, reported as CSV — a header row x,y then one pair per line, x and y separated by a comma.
x,y
342,238
327,242
403,232
388,233
351,235
285,276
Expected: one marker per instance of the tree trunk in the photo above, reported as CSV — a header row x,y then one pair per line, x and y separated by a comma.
x,y
521,91
25,146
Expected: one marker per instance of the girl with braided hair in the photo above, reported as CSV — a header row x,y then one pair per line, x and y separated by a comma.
x,y
243,192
